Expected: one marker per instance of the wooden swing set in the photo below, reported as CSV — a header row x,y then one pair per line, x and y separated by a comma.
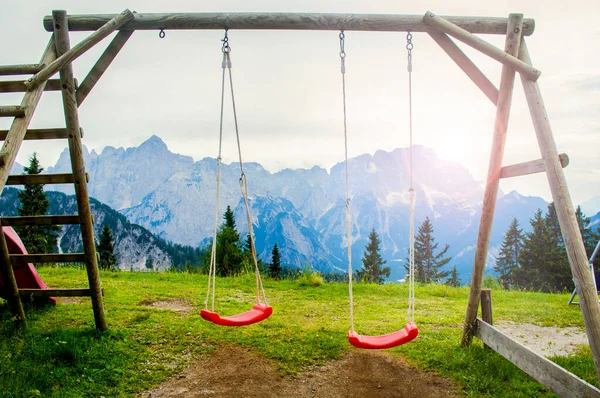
x,y
59,55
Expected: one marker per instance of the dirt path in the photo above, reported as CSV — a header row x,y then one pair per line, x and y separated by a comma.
x,y
237,372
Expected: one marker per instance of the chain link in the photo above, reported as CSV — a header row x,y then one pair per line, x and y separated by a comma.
x,y
161,34
225,48
409,48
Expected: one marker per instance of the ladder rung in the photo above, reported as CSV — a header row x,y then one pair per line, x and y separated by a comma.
x,y
12,111
47,258
39,220
25,69
18,86
65,178
40,134
56,292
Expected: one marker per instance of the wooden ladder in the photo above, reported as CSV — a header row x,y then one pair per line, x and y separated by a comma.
x,y
13,139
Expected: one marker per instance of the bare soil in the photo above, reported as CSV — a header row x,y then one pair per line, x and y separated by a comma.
x,y
232,371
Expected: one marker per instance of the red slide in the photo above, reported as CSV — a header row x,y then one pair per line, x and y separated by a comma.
x,y
25,274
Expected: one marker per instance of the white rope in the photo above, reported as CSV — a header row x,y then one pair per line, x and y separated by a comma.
x,y
348,214
411,287
213,253
244,189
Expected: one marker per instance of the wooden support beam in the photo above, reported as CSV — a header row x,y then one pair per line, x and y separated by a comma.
x,y
531,167
47,258
507,79
103,63
18,86
289,21
78,166
87,43
56,292
467,66
16,133
558,380
582,275
486,306
488,49
63,178
39,220
26,69
11,289
12,111
40,134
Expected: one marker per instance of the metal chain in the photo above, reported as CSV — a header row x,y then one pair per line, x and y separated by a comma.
x,y
411,277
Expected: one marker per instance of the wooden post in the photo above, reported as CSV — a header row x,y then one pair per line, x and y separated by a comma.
x,y
291,21
103,63
467,66
494,52
10,283
513,39
79,49
584,281
486,306
76,151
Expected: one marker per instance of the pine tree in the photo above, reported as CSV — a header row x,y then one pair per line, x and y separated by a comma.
x,y
507,263
372,272
275,266
106,249
428,265
229,254
453,280
557,268
36,238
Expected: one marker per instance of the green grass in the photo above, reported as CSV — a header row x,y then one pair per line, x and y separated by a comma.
x,y
61,355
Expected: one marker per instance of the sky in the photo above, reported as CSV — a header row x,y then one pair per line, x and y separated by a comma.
x,y
288,87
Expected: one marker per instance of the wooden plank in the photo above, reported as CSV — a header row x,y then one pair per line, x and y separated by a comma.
x,y
55,292
558,380
18,86
63,178
39,220
289,21
12,111
78,166
467,66
47,258
40,134
486,306
582,275
490,194
11,290
531,167
25,69
18,128
483,46
103,63
75,52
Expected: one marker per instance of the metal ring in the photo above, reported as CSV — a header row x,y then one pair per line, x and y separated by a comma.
x,y
161,34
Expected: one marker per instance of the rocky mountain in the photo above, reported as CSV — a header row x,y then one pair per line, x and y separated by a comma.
x,y
303,211
134,245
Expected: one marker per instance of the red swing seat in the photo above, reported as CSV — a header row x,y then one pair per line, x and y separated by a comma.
x,y
402,336
258,313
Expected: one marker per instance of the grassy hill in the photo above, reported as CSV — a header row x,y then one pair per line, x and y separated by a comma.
x,y
61,354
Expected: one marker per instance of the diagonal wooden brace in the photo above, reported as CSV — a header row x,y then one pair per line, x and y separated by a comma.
x,y
483,46
78,50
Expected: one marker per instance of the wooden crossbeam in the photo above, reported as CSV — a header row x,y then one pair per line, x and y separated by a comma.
x,y
75,52
63,178
12,111
18,86
488,49
558,380
103,63
55,292
467,66
25,69
40,134
47,258
288,21
40,220
531,167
